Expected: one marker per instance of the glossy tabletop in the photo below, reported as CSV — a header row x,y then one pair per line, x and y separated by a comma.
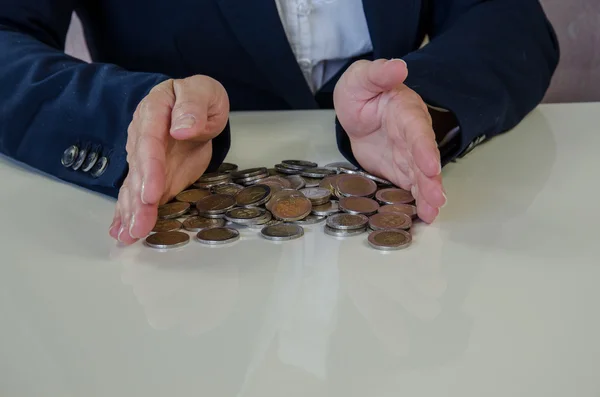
x,y
499,297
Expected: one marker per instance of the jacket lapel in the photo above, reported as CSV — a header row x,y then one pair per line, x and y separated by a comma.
x,y
258,28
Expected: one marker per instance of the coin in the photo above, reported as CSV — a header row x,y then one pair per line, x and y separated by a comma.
x,y
251,180
376,178
230,189
340,165
271,222
284,182
387,240
327,209
310,220
311,182
197,223
218,235
319,173
213,177
267,217
191,212
344,232
330,183
209,185
248,173
282,232
407,209
297,181
275,187
253,196
359,205
356,185
291,208
243,216
215,204
227,167
390,221
299,164
282,194
284,169
166,225
316,195
191,196
394,196
167,240
347,221
172,210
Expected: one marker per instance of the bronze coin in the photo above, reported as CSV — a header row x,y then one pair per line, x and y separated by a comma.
x,y
215,204
329,182
218,235
172,210
291,208
166,240
358,205
197,223
213,177
227,167
253,195
209,185
394,196
230,189
407,209
282,194
347,221
284,182
390,220
191,196
297,182
166,225
388,240
356,185
249,173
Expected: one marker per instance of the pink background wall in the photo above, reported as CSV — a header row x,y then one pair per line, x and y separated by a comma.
x,y
577,23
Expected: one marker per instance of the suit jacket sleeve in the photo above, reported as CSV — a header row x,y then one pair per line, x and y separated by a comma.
x,y
50,101
488,62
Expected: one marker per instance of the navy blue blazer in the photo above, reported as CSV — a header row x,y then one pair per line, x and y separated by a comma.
x,y
489,62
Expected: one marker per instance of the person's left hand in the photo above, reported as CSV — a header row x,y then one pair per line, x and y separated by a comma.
x,y
390,130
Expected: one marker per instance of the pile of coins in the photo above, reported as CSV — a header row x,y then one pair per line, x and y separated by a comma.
x,y
278,202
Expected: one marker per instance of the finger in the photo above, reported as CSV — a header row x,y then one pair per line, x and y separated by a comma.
x,y
125,209
152,131
425,211
421,143
113,230
143,216
201,109
376,77
430,189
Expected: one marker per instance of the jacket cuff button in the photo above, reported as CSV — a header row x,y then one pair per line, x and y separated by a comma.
x,y
69,156
99,168
80,159
90,161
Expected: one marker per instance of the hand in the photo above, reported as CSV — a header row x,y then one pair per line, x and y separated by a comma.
x,y
390,130
168,148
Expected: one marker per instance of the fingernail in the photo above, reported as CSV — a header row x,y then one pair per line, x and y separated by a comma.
x,y
445,200
121,230
112,226
398,59
131,226
142,193
184,122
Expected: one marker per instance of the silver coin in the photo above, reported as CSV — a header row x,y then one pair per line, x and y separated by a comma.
x,y
198,223
259,226
326,209
213,177
209,185
244,216
267,217
297,181
344,233
284,169
317,172
310,220
218,235
340,165
299,164
311,182
211,216
227,167
252,179
282,232
376,179
248,173
347,221
167,240
317,195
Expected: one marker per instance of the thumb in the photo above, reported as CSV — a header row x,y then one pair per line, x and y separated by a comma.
x,y
201,109
377,76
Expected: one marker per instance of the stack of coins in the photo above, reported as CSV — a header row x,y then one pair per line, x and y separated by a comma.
x,y
279,202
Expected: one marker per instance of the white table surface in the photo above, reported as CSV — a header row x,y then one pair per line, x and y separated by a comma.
x,y
499,297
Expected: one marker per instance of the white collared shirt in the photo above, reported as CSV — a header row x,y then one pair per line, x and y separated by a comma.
x,y
324,34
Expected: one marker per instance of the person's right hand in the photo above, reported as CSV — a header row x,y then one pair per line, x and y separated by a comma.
x,y
169,146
